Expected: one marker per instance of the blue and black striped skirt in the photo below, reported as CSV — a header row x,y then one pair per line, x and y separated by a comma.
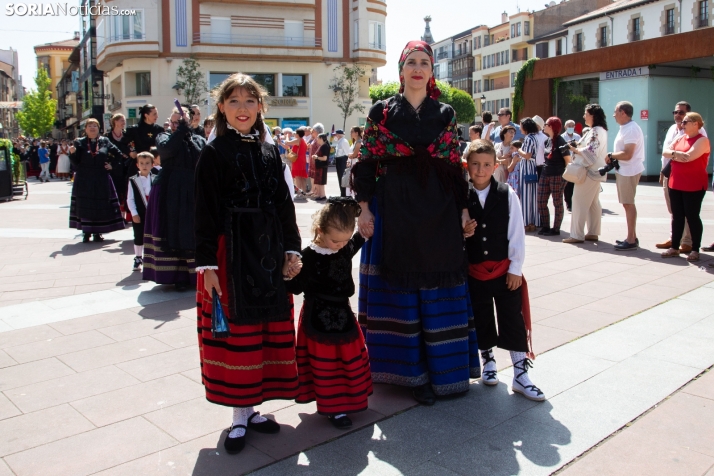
x,y
415,336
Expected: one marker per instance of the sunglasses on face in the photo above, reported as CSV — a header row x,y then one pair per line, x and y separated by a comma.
x,y
678,113
686,121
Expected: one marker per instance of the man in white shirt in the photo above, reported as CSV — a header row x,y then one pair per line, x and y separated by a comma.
x,y
676,131
630,153
541,138
342,150
570,134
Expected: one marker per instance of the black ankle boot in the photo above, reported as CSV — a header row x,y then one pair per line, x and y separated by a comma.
x,y
85,239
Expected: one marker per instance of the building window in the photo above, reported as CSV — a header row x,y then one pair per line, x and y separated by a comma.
x,y
294,33
294,85
703,18
669,22
513,79
542,50
518,29
527,28
578,42
636,33
603,36
513,30
355,34
558,47
143,84
215,79
486,41
376,36
220,30
265,80
125,27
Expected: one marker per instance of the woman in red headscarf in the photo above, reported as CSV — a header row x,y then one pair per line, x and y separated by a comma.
x,y
414,304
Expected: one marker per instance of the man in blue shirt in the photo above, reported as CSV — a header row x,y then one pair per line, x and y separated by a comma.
x,y
504,119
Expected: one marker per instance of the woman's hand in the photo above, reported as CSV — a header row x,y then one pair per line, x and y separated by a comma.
x,y
133,154
136,218
107,166
468,224
365,222
210,281
574,150
292,265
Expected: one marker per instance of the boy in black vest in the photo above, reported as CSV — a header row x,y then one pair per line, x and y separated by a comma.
x,y
496,252
137,199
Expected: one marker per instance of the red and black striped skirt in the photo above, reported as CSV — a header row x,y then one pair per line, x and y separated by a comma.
x,y
256,363
337,377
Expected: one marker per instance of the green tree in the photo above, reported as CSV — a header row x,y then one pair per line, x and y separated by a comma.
x,y
191,80
345,86
38,108
463,105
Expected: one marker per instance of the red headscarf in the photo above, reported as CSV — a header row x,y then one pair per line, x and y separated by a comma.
x,y
431,90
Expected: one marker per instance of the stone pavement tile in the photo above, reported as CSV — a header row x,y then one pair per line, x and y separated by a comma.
x,y
83,283
621,305
547,338
689,350
4,327
544,286
582,321
660,268
25,336
114,353
683,279
6,360
604,287
607,267
675,438
538,313
100,449
33,372
96,321
325,461
70,388
430,469
698,295
539,271
183,337
562,300
553,378
702,386
651,291
145,327
7,409
4,469
163,364
515,447
138,399
390,399
39,428
409,439
28,285
194,374
487,406
46,293
192,419
201,457
58,346
302,427
176,305
578,276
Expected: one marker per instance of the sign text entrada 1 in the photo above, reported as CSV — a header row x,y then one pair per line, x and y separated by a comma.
x,y
625,73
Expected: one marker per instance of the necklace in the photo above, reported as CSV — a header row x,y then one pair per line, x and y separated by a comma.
x,y
121,134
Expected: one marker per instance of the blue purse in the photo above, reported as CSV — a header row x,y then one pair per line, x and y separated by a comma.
x,y
219,323
530,178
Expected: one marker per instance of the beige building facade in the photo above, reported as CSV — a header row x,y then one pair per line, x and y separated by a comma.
x,y
54,57
291,47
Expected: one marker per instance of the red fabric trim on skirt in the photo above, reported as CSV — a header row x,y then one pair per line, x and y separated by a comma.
x,y
488,270
255,364
336,376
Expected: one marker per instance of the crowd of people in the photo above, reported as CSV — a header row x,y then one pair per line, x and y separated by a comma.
x,y
439,224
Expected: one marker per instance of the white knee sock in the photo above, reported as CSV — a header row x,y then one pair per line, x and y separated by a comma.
x,y
239,418
487,355
138,251
520,372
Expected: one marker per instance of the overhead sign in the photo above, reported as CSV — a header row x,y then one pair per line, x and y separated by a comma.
x,y
644,114
277,102
625,73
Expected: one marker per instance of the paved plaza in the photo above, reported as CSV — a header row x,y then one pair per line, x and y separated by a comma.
x,y
99,370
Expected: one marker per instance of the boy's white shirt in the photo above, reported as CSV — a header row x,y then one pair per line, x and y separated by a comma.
x,y
516,232
142,182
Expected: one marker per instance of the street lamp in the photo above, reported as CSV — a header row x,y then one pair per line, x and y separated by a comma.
x,y
483,100
96,94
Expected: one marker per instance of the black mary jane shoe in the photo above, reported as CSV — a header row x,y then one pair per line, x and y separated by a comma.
x,y
268,426
544,231
97,237
553,232
234,445
424,394
341,423
85,238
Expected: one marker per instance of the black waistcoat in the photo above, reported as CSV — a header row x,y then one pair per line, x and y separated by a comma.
x,y
490,241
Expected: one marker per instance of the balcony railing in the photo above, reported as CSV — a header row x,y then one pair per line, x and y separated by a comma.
x,y
115,105
702,22
102,42
258,40
442,55
669,30
378,46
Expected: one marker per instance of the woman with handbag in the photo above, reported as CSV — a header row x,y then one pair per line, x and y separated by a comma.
x,y
527,174
299,164
688,183
588,157
551,180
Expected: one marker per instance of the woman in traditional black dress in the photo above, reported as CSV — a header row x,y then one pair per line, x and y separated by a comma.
x,y
120,165
94,206
245,234
169,242
413,299
141,137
